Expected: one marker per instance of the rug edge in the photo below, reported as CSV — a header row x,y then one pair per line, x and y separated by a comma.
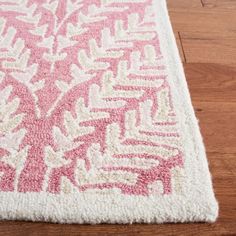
x,y
179,78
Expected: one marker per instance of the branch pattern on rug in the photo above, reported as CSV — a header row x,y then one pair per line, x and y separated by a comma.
x,y
85,100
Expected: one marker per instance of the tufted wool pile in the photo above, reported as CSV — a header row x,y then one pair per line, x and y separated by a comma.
x,y
96,122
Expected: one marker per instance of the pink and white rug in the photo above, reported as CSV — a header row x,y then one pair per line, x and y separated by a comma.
x,y
96,122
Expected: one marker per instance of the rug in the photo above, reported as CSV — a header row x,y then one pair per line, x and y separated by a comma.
x,y
96,121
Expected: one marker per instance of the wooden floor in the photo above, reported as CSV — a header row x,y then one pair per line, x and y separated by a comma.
x,y
206,35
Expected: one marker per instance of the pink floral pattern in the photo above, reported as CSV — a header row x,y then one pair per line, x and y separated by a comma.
x,y
84,99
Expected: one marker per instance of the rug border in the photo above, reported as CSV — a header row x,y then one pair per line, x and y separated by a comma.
x,y
192,139
91,208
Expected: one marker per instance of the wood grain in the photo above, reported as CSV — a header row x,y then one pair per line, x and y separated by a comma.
x,y
209,47
211,82
184,4
217,122
203,19
43,229
220,3
206,35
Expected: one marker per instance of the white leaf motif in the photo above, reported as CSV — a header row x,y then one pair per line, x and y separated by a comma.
x,y
40,30
54,159
52,7
63,86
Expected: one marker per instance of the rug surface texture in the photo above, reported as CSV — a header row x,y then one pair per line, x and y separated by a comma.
x,y
96,121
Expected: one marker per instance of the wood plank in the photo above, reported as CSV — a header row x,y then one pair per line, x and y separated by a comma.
x,y
184,3
211,82
222,166
231,4
209,47
218,126
225,188
42,229
203,19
